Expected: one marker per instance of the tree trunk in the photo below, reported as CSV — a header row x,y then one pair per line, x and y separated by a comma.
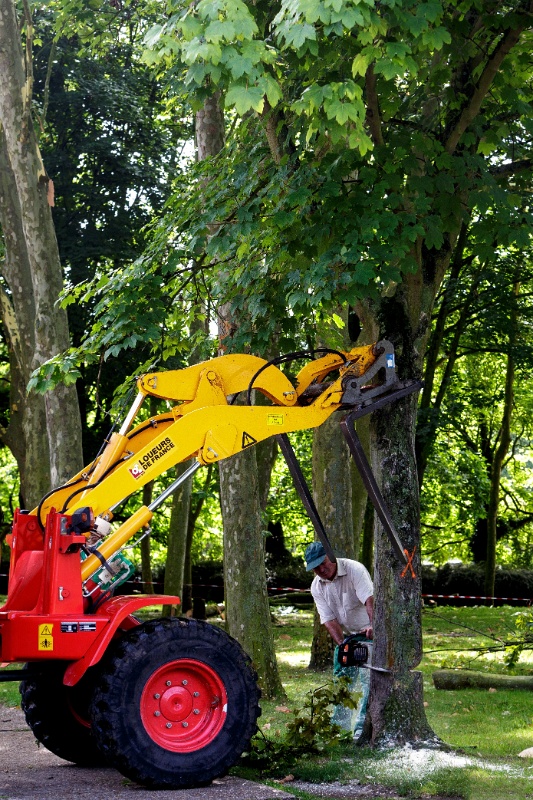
x,y
146,560
194,512
209,136
501,450
360,498
396,703
34,192
332,493
27,420
209,128
177,538
366,551
247,608
265,454
322,646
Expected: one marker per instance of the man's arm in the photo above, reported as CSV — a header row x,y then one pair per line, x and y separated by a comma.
x,y
335,631
369,605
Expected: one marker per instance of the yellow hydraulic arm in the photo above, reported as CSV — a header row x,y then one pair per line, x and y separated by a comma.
x,y
205,423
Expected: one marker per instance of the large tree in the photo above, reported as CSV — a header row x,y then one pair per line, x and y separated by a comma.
x,y
44,434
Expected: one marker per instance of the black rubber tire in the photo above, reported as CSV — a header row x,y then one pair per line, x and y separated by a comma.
x,y
118,701
59,715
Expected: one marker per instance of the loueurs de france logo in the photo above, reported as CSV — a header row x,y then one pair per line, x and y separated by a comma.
x,y
149,458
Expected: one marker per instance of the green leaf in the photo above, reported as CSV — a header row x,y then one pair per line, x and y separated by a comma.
x,y
245,99
219,30
360,64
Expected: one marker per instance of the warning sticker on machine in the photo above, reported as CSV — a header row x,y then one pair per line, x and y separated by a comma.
x,y
46,638
151,457
247,440
275,419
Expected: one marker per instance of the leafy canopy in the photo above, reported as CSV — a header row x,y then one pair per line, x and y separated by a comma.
x,y
363,136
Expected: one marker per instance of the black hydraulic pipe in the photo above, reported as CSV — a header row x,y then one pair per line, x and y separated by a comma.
x,y
305,495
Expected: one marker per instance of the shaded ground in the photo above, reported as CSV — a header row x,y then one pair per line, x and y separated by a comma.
x,y
30,772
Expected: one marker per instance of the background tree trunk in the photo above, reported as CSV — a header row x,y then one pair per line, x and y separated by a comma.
x,y
366,550
501,449
34,193
177,539
27,420
247,608
146,560
332,493
363,544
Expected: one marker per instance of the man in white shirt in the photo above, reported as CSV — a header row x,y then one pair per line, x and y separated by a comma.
x,y
344,596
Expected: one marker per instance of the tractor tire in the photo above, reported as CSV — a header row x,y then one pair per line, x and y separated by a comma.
x,y
176,704
59,715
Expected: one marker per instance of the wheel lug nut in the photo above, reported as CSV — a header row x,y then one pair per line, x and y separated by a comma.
x,y
157,696
169,724
196,694
169,683
196,711
185,724
157,713
184,683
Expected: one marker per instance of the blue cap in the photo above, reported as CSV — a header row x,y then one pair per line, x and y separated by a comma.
x,y
314,555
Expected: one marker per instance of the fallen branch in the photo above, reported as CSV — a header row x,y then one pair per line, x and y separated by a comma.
x,y
468,679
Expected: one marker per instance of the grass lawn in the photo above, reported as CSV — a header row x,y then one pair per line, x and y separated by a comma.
x,y
486,729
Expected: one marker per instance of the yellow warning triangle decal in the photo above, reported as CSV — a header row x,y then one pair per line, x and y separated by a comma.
x,y
44,630
247,440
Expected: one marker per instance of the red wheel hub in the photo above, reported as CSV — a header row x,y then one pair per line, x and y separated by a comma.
x,y
183,705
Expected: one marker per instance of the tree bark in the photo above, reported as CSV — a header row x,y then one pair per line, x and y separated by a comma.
x,y
332,493
396,702
27,420
34,192
177,538
501,450
146,560
247,608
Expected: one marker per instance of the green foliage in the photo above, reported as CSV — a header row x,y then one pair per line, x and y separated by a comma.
x,y
455,489
524,636
361,98
331,221
308,732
